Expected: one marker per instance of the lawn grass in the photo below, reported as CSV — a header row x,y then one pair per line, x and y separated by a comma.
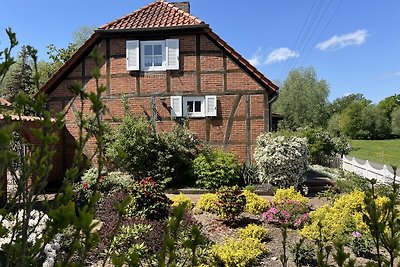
x,y
379,151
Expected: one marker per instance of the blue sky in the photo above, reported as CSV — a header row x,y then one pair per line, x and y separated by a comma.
x,y
353,44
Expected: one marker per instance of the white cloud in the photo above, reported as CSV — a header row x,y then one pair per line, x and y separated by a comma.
x,y
397,73
337,42
256,58
280,54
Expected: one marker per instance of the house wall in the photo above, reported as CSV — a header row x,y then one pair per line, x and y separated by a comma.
x,y
242,104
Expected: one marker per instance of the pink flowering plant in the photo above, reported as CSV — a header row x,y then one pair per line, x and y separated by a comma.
x,y
290,212
361,244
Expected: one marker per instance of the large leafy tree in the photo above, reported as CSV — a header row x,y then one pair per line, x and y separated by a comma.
x,y
303,99
341,103
396,121
389,104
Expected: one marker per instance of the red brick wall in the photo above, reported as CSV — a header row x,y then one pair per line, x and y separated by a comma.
x,y
206,70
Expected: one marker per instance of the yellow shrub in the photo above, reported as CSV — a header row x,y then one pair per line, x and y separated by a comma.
x,y
254,203
207,202
253,231
238,252
289,194
182,199
340,220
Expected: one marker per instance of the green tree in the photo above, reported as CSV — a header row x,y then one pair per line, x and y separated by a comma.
x,y
341,103
389,104
82,34
303,99
396,121
19,78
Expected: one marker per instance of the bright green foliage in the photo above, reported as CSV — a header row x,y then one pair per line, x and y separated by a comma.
x,y
289,194
281,160
216,169
254,203
181,199
148,200
303,100
207,202
253,231
238,252
231,203
340,220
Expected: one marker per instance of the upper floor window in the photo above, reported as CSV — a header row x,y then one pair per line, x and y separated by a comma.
x,y
152,55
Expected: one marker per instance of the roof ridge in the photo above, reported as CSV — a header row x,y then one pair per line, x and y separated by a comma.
x,y
130,14
183,12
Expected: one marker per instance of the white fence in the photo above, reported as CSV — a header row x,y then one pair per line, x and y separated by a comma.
x,y
370,170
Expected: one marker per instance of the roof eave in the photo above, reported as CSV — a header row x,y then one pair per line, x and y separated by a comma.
x,y
153,29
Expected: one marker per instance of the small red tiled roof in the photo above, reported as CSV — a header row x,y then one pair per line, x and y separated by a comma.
x,y
155,15
4,102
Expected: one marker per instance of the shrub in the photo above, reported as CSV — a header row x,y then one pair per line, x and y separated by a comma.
x,y
281,160
289,194
126,240
303,254
207,202
182,199
340,220
254,203
253,231
294,214
109,182
166,157
215,169
148,200
230,203
238,252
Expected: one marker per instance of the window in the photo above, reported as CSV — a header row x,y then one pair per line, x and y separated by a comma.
x,y
157,55
152,55
194,106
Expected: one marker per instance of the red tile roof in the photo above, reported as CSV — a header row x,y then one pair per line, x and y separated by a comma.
x,y
159,14
155,15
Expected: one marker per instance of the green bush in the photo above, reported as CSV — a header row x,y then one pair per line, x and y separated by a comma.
x,y
166,157
238,252
207,202
126,240
182,199
231,203
148,200
254,203
215,169
253,231
109,183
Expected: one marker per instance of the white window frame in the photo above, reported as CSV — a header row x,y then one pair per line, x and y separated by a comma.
x,y
194,114
142,61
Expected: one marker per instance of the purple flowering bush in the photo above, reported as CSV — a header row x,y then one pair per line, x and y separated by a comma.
x,y
290,212
361,244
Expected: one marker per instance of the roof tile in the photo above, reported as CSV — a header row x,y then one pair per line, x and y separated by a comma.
x,y
154,15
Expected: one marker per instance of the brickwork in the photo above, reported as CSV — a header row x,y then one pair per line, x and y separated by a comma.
x,y
210,71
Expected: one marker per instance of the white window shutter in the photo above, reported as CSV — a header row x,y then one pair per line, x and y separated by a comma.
x,y
176,106
211,106
172,51
132,55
